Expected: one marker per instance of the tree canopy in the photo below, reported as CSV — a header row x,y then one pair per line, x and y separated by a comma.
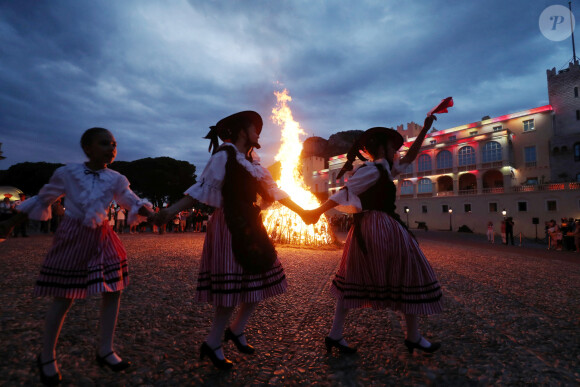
x,y
160,179
28,177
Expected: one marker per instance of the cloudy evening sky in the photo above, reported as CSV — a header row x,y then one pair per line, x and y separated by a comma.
x,y
158,73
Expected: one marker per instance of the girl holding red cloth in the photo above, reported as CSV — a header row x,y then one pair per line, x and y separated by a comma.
x,y
382,265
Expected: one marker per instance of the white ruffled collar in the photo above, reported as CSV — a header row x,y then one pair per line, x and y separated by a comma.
x,y
253,167
382,162
95,185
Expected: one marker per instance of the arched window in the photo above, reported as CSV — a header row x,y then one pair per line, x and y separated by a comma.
x,y
577,151
444,159
491,152
424,186
424,163
409,168
466,156
407,187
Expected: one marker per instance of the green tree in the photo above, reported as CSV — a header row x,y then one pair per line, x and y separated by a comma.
x,y
160,179
28,177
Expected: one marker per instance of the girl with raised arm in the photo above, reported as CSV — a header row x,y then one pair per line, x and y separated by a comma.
x,y
382,265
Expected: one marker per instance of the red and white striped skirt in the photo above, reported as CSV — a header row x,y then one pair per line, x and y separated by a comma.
x,y
221,280
393,274
83,261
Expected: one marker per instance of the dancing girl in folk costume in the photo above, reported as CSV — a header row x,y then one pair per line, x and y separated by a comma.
x,y
382,265
86,256
239,266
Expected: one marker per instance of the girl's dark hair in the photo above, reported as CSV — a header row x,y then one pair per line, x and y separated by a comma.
x,y
373,144
89,135
227,129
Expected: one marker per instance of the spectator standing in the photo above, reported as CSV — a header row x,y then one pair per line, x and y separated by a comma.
x,y
183,220
57,214
198,220
490,231
112,215
120,219
503,239
509,231
576,235
22,227
176,222
5,209
555,236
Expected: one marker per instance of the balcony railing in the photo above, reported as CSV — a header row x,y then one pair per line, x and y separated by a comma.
x,y
492,164
500,190
493,190
547,187
467,192
443,170
464,168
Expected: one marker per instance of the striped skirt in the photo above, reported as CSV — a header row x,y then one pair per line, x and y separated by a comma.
x,y
393,274
221,280
83,261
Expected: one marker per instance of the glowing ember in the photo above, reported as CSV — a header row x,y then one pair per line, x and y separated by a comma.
x,y
283,225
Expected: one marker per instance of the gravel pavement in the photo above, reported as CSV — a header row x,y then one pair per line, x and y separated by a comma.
x,y
511,317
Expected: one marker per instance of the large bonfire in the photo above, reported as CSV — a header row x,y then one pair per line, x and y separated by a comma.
x,y
283,225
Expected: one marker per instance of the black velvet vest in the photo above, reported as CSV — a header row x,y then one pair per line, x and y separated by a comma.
x,y
382,195
252,247
379,197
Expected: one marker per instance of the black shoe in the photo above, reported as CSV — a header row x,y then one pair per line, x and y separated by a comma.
x,y
222,364
122,365
247,349
52,380
411,346
336,343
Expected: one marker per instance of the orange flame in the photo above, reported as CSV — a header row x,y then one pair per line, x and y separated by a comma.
x,y
283,225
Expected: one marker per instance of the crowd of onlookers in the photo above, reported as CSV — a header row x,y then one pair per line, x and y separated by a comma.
x,y
192,220
564,235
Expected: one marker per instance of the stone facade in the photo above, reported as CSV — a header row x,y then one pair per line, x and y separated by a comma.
x,y
564,96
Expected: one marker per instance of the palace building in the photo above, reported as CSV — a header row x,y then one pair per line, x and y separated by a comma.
x,y
524,165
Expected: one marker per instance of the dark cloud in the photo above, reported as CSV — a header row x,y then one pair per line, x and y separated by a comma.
x,y
159,73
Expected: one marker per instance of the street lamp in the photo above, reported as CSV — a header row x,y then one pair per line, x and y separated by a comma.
x,y
450,226
504,213
407,212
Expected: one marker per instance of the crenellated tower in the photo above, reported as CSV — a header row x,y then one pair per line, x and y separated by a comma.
x,y
564,96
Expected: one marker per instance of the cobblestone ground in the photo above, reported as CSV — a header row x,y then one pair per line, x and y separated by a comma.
x,y
511,317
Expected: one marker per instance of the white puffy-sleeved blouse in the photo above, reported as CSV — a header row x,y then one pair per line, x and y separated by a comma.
x,y
363,178
88,195
208,189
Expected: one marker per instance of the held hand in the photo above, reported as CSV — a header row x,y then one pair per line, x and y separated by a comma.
x,y
310,216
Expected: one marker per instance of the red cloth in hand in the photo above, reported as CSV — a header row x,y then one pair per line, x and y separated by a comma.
x,y
442,107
